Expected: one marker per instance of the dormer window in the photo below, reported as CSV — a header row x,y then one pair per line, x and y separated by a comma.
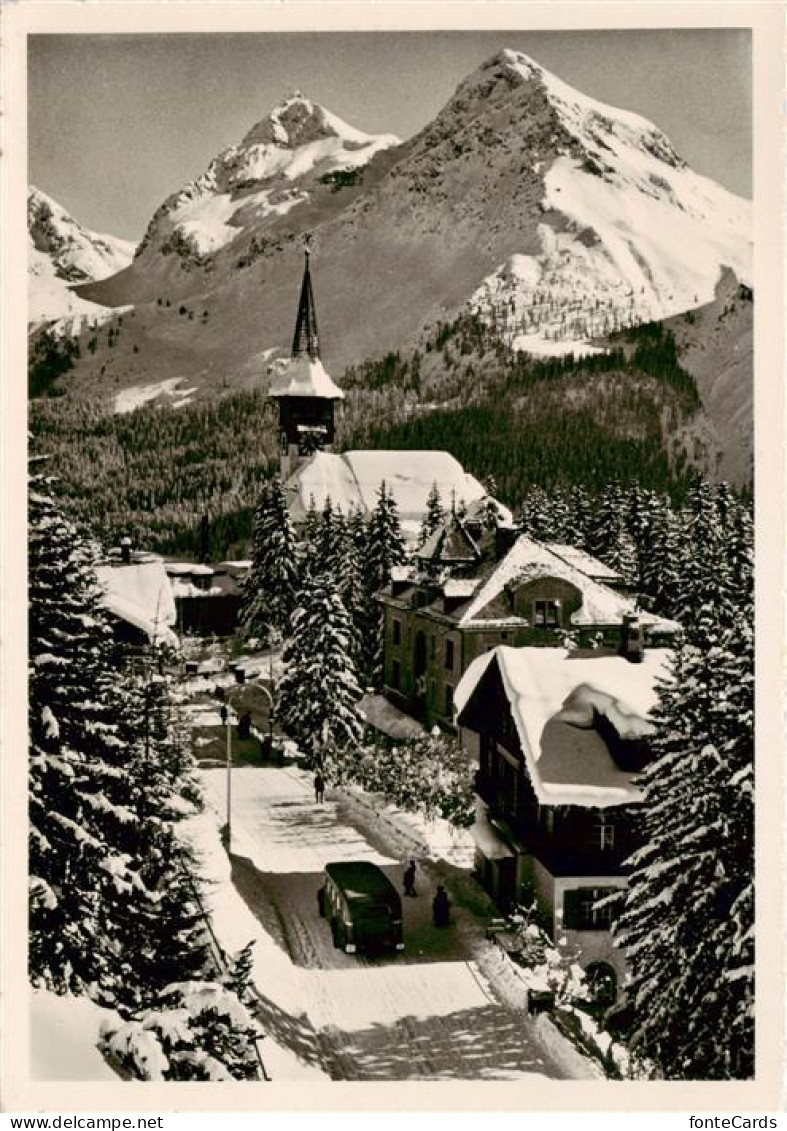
x,y
546,614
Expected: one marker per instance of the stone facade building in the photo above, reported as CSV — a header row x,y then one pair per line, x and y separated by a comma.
x,y
477,586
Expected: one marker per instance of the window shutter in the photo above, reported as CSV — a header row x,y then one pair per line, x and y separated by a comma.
x,y
571,910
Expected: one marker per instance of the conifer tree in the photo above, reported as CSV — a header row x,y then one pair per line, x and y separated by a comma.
x,y
272,582
79,809
686,927
385,543
113,906
319,691
385,549
434,517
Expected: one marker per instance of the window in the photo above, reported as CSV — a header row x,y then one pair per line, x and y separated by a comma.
x,y
581,910
396,675
590,914
546,614
449,655
603,834
449,700
397,631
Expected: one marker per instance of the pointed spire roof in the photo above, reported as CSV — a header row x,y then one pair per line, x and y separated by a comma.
x,y
306,339
303,375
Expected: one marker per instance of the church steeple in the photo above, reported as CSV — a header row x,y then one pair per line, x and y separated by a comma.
x,y
306,338
303,390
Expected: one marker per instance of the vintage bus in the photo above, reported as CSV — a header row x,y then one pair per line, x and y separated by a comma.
x,y
362,906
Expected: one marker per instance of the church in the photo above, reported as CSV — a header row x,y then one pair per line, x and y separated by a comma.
x,y
307,400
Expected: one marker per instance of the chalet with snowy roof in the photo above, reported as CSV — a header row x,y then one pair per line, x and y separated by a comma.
x,y
207,597
477,586
559,739
307,399
138,595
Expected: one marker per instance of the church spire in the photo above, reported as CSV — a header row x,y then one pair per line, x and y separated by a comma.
x,y
306,340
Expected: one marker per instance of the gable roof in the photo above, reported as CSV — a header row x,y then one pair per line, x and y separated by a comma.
x,y
527,560
353,479
553,696
583,561
140,594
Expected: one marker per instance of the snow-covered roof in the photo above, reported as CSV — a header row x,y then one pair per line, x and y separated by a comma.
x,y
402,573
381,714
553,696
304,376
583,561
460,587
352,480
140,594
527,560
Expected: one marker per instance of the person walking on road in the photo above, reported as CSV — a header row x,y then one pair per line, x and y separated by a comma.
x,y
409,879
319,788
441,907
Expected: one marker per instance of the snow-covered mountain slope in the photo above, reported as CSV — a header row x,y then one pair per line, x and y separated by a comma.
x,y
553,214
270,172
61,253
630,233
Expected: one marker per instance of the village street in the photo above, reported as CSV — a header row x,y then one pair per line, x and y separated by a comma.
x,y
449,1006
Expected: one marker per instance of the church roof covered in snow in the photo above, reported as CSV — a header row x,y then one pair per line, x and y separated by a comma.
x,y
352,481
140,594
555,699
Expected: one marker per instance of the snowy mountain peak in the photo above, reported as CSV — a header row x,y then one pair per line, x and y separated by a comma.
x,y
62,252
629,232
271,171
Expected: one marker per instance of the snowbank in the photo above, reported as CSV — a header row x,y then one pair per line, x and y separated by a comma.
x,y
64,1035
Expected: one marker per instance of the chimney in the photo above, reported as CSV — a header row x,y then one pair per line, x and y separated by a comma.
x,y
632,639
505,537
125,549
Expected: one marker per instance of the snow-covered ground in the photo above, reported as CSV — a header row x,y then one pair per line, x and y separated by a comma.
x,y
137,395
64,1035
430,1012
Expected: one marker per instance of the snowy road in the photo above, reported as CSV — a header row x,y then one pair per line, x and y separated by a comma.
x,y
431,1012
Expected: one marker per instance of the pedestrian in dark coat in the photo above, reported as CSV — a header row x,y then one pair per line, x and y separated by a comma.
x,y
441,907
409,879
319,788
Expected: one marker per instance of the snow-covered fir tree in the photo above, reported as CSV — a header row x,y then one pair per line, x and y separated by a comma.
x,y
319,691
385,548
195,1031
272,583
80,816
113,905
686,927
330,542
434,516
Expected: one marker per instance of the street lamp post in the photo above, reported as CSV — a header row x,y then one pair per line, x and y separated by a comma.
x,y
226,715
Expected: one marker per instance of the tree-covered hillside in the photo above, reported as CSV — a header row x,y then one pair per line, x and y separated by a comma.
x,y
156,471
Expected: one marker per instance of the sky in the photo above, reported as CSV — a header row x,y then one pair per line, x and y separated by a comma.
x,y
118,122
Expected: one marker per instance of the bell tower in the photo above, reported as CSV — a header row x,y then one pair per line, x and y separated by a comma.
x,y
303,391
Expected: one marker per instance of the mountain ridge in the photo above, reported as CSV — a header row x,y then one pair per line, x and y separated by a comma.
x,y
558,219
